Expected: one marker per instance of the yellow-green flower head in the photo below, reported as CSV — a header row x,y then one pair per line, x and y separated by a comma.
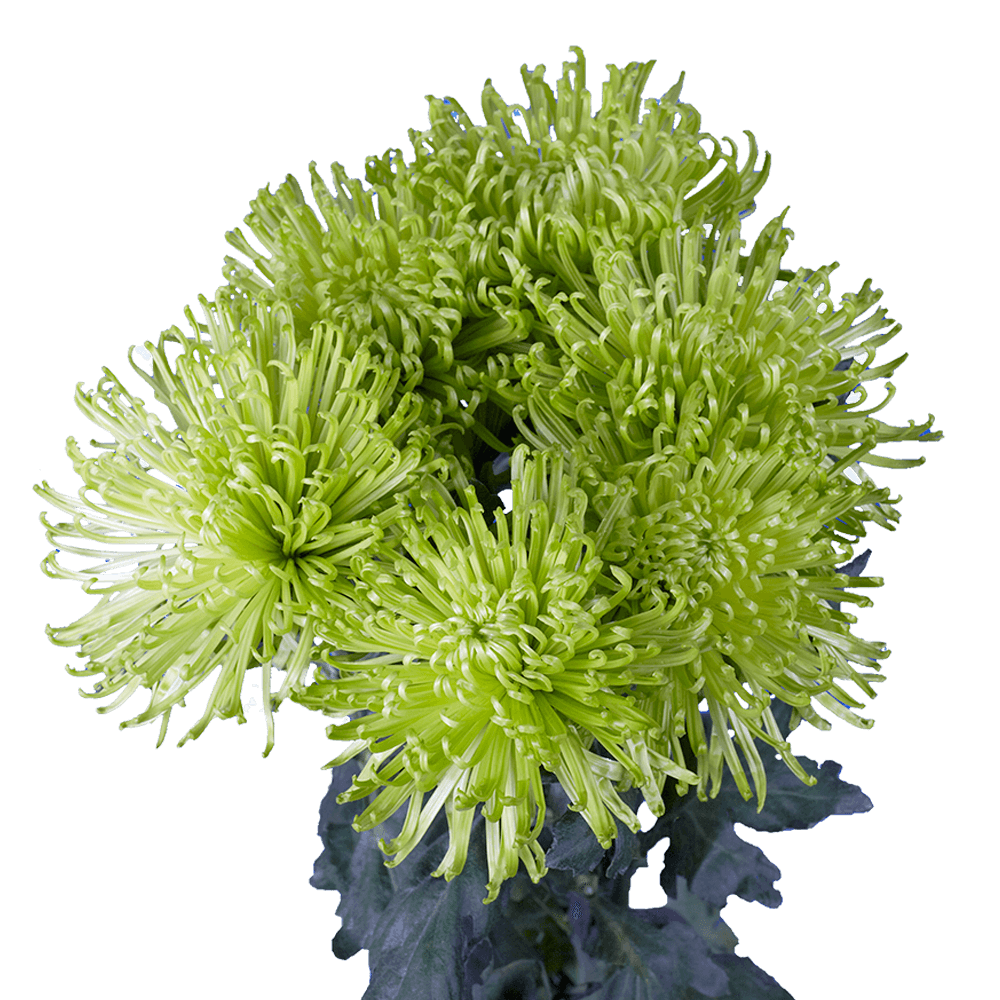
x,y
503,652
436,263
690,343
747,539
703,394
218,537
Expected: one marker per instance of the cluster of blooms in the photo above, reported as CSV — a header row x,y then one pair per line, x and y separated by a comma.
x,y
565,290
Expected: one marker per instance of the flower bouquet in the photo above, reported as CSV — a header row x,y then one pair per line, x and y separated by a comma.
x,y
517,467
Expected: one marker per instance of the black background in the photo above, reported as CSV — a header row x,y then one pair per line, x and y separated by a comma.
x,y
146,159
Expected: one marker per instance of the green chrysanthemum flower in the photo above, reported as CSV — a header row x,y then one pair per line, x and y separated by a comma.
x,y
744,538
230,532
436,264
708,409
503,653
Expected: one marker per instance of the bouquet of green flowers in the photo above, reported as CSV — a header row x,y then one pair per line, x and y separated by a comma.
x,y
517,466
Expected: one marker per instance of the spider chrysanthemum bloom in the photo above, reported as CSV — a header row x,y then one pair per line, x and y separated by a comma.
x,y
745,538
502,653
439,263
219,537
705,396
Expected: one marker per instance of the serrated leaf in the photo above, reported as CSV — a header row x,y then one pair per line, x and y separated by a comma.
x,y
429,928
374,916
667,961
704,918
715,861
352,864
799,807
735,866
748,982
687,952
